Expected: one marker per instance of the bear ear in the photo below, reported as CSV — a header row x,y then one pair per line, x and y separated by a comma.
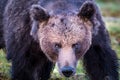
x,y
87,10
38,13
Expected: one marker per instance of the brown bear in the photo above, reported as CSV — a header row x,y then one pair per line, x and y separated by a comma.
x,y
40,33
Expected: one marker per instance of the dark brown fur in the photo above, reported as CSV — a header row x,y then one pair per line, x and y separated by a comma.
x,y
40,32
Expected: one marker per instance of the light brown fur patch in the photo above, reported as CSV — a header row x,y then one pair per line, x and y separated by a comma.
x,y
66,30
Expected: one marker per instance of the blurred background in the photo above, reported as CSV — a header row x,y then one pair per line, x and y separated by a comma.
x,y
110,10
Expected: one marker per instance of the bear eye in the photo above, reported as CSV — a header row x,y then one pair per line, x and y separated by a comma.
x,y
57,46
76,47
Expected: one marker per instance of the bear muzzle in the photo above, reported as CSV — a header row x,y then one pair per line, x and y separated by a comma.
x,y
68,71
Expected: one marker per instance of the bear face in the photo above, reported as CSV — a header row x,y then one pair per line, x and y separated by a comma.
x,y
64,38
64,32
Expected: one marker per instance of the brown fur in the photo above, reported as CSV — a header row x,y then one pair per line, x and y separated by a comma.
x,y
66,30
63,30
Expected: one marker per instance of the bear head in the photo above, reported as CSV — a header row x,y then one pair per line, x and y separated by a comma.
x,y
64,38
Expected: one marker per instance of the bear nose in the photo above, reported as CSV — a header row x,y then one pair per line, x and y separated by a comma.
x,y
67,71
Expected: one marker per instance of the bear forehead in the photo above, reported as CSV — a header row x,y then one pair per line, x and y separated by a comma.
x,y
67,29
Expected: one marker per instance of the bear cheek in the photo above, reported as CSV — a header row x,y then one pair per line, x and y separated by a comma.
x,y
84,47
46,47
52,57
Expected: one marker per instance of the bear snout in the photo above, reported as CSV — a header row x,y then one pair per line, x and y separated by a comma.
x,y
68,71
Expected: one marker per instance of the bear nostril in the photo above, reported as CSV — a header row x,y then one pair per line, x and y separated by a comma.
x,y
67,71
